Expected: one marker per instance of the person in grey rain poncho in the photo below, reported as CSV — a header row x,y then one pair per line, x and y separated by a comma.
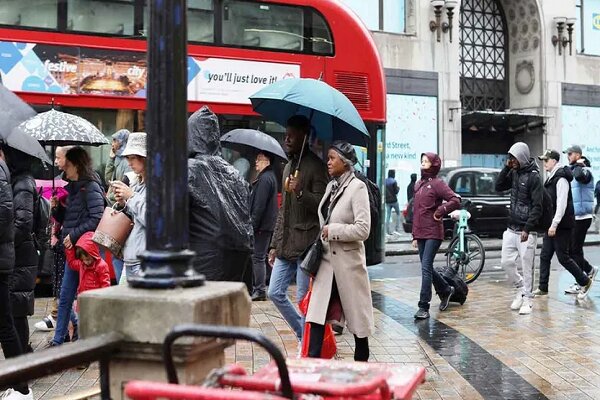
x,y
221,231
117,165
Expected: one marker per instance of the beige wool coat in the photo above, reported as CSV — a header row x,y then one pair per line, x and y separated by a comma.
x,y
344,257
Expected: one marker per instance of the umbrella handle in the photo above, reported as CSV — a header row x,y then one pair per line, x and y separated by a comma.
x,y
286,185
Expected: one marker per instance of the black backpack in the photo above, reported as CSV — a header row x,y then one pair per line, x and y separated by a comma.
x,y
547,210
41,222
373,244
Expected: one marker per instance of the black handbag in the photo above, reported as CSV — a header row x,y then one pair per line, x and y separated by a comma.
x,y
312,255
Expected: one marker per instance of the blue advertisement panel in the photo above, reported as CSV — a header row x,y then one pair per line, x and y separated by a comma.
x,y
576,130
412,129
591,27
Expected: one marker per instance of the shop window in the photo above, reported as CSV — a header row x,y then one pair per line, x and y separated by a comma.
x,y
38,14
587,29
264,25
114,17
380,15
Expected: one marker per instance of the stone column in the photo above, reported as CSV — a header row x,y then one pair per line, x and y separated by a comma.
x,y
145,316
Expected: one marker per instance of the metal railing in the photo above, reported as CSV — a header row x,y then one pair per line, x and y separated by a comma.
x,y
56,359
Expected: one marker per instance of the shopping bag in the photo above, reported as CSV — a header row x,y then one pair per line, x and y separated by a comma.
x,y
329,344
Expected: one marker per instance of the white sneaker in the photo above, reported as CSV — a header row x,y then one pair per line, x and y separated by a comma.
x,y
573,289
299,350
46,325
517,302
526,307
585,290
12,394
593,274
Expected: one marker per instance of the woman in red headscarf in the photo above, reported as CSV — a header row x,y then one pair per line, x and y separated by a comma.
x,y
433,199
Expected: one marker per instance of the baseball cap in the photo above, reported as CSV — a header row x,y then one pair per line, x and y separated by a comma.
x,y
574,149
550,154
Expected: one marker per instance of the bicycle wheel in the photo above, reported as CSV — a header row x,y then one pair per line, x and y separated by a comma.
x,y
469,263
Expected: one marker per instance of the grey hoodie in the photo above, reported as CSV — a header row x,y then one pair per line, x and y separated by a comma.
x,y
520,151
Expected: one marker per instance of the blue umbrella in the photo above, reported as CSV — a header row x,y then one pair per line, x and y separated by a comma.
x,y
332,115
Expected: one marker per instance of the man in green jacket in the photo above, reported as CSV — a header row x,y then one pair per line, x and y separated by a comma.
x,y
297,222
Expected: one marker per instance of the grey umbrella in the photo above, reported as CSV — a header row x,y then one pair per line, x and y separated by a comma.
x,y
243,139
61,129
13,111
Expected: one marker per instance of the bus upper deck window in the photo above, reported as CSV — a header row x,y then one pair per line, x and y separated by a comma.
x,y
322,42
38,14
271,26
100,16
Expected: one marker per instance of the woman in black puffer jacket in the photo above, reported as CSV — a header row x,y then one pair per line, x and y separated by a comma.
x,y
22,279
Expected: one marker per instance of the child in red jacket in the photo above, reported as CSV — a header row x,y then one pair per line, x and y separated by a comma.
x,y
85,259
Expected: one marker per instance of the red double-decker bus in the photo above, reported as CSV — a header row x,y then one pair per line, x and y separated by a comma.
x,y
88,57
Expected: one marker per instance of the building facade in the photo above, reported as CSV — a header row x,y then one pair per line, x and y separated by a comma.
x,y
495,72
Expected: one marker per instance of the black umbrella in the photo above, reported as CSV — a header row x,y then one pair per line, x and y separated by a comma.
x,y
62,129
14,111
244,139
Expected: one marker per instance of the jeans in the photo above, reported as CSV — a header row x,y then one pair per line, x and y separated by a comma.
x,y
514,250
281,277
577,241
68,292
427,250
559,244
388,215
11,345
261,245
118,266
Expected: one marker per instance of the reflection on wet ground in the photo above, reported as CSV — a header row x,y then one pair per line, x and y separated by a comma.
x,y
490,377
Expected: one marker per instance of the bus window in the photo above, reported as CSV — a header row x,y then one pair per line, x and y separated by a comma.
x,y
200,21
270,26
114,17
42,14
321,36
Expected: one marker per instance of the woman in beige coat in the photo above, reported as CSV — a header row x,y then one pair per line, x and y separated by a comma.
x,y
342,277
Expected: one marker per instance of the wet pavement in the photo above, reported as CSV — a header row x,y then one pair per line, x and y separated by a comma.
x,y
481,350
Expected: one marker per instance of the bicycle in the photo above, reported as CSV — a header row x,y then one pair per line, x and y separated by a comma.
x,y
465,253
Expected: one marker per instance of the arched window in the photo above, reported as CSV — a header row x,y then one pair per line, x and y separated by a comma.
x,y
483,56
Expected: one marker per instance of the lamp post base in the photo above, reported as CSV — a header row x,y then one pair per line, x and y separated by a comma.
x,y
166,270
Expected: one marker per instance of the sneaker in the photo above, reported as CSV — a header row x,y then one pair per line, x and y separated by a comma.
x,y
75,336
526,306
540,292
50,344
337,329
593,273
573,289
299,350
12,394
446,300
46,325
259,297
585,290
422,314
517,302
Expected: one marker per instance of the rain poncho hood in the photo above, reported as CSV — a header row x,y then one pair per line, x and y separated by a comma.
x,y
219,197
203,133
121,136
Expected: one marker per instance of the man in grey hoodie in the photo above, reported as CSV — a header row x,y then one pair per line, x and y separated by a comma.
x,y
521,175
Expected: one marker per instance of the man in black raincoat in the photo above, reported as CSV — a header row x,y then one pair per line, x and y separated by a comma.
x,y
221,231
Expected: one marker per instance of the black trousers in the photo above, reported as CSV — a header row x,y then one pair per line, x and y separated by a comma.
x,y
11,345
577,241
559,244
315,344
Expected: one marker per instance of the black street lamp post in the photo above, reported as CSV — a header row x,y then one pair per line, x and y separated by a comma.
x,y
167,261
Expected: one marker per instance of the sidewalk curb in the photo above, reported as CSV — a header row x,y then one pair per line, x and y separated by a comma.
x,y
442,250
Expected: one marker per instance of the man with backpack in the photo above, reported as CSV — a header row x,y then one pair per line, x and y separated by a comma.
x,y
558,237
521,175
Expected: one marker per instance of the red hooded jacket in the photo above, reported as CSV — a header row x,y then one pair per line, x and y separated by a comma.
x,y
96,275
430,194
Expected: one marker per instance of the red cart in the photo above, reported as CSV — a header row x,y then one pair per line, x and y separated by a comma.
x,y
306,378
